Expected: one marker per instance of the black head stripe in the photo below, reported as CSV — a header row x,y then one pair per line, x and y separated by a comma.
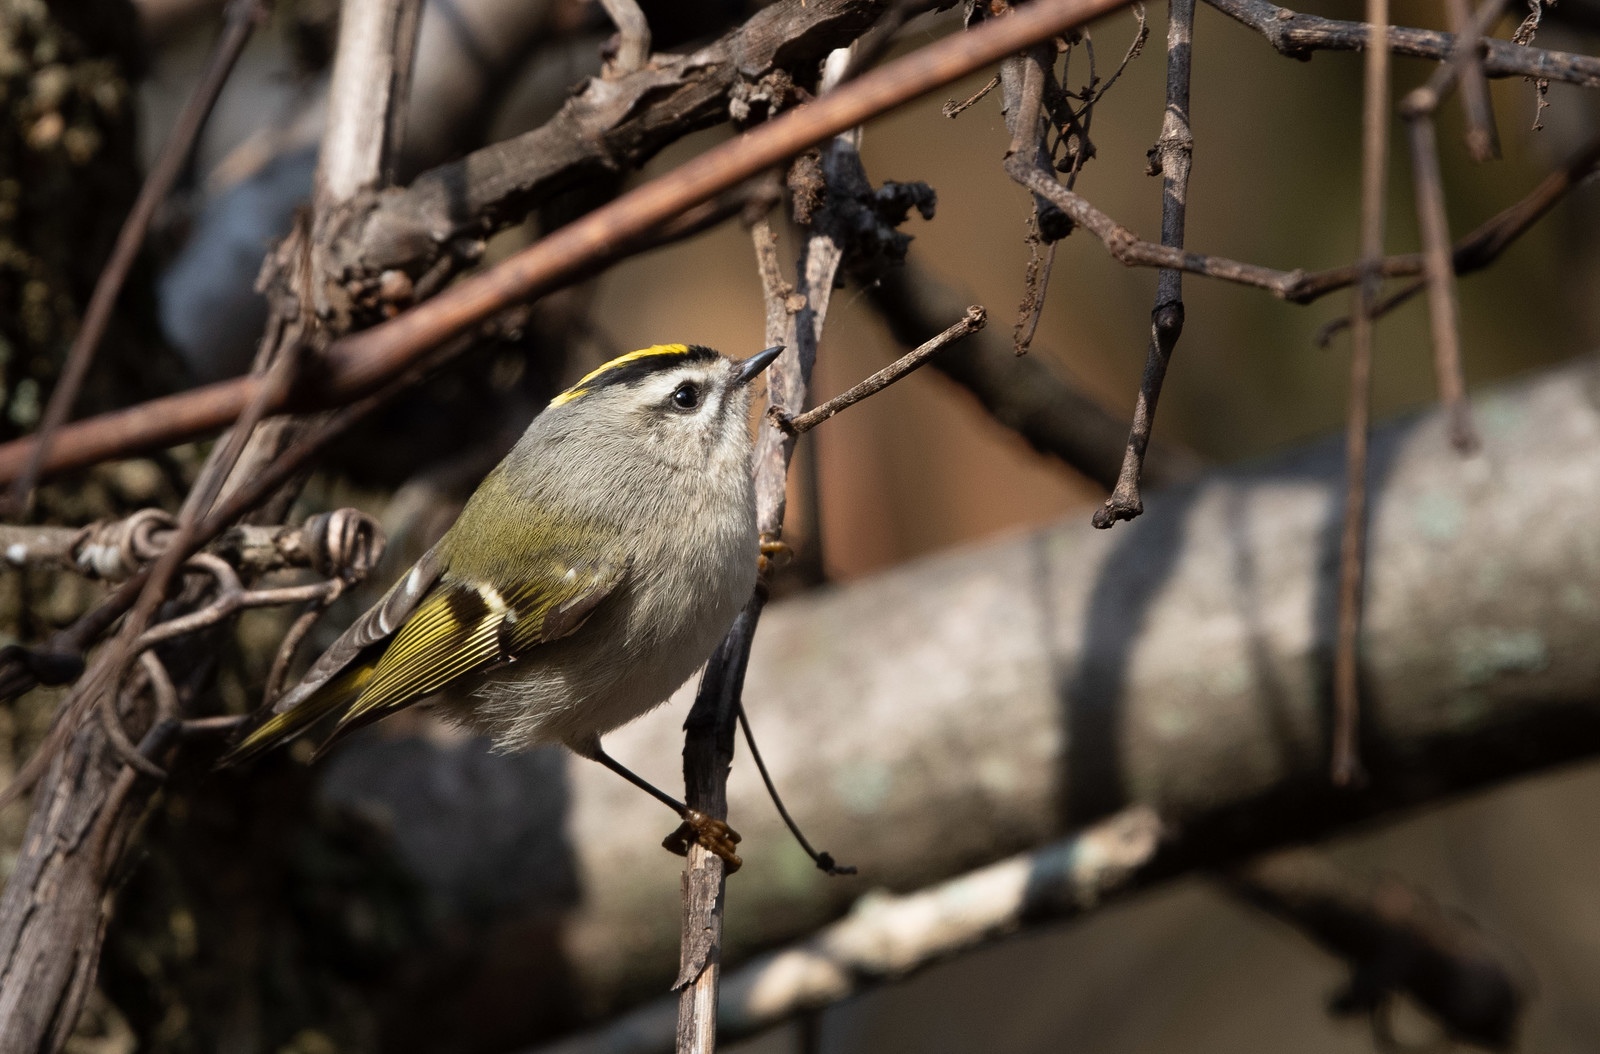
x,y
635,366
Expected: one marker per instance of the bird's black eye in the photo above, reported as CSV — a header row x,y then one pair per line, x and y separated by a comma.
x,y
686,396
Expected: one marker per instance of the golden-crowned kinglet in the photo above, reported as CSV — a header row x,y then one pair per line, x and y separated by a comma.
x,y
587,577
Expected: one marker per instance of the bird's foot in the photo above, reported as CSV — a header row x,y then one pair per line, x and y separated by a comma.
x,y
775,552
716,836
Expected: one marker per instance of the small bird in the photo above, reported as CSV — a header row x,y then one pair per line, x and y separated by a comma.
x,y
588,576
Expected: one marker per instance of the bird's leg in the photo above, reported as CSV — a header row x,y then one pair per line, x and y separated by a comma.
x,y
709,831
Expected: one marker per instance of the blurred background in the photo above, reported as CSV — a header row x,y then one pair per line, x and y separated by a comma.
x,y
918,469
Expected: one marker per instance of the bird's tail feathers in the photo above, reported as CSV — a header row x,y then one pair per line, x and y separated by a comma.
x,y
334,697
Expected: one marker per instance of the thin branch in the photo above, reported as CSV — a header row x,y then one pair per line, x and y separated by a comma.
x,y
794,318
1346,765
824,860
633,36
242,18
118,549
1418,109
953,108
355,364
1023,79
891,937
1025,394
976,318
1440,280
1483,141
370,71
1297,36
1170,158
1484,245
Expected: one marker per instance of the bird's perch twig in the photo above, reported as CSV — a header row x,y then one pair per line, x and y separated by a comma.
x,y
794,318
974,320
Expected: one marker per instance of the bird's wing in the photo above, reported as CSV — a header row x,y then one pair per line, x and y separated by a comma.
x,y
343,671
465,626
380,621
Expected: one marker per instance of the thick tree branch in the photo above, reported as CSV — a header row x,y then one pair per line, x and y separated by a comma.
x,y
609,128
975,705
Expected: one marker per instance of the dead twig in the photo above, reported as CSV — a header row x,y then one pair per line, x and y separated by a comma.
x,y
1126,247
794,318
333,543
1297,35
1484,245
975,319
1483,141
1023,80
1440,280
1169,158
952,108
1346,765
1418,109
1023,393
242,18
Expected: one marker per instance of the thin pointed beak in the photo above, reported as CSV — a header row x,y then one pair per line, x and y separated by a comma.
x,y
751,368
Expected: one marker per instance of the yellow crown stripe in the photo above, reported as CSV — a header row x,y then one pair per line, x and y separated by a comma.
x,y
621,360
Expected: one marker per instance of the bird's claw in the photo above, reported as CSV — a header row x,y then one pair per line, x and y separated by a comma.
x,y
775,552
716,836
